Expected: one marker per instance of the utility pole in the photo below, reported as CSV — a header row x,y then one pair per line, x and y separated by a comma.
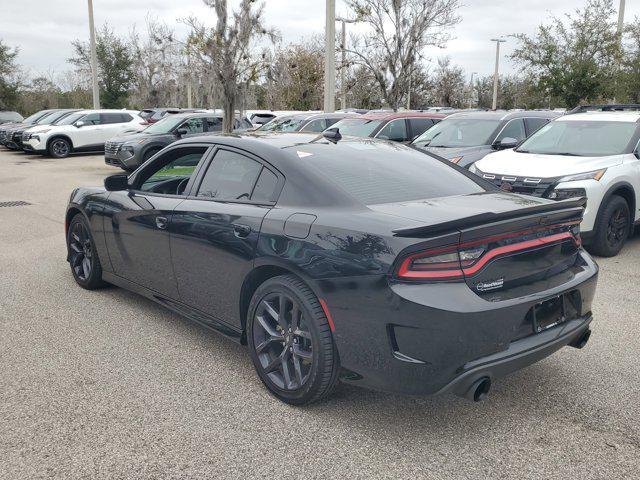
x,y
94,59
330,58
343,65
471,98
189,93
495,75
621,18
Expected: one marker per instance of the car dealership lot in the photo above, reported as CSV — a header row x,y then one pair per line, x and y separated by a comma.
x,y
108,384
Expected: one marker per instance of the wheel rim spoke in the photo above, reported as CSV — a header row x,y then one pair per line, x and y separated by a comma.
x,y
282,313
267,343
267,328
299,352
296,365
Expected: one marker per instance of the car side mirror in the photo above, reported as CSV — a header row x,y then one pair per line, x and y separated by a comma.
x,y
505,143
332,134
182,131
79,124
116,183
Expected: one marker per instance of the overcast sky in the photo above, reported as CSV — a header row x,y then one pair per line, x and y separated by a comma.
x,y
44,29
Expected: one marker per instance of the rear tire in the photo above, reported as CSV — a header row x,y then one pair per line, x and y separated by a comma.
x,y
59,148
290,341
149,153
83,257
612,228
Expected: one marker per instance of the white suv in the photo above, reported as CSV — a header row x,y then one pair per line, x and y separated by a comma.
x,y
86,130
594,154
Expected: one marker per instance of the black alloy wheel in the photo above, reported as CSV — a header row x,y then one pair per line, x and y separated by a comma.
x,y
612,227
83,259
290,341
59,148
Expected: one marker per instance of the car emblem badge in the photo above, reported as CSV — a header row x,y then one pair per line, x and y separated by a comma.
x,y
492,285
506,187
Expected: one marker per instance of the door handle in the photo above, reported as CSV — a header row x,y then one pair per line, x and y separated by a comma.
x,y
161,223
241,231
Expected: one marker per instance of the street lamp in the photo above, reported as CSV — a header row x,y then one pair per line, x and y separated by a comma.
x,y
94,61
330,58
343,66
471,96
495,75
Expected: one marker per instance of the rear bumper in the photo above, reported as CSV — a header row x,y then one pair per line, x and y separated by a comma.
x,y
436,338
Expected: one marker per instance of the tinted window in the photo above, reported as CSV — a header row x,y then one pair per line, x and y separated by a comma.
x,y
389,173
192,126
315,126
395,130
331,121
108,118
581,138
533,124
420,125
230,176
172,171
357,127
290,124
214,124
265,186
513,129
125,117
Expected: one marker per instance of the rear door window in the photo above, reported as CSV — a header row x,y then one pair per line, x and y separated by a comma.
x,y
230,176
419,126
533,124
109,118
213,124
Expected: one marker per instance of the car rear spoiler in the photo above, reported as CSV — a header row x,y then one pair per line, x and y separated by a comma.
x,y
576,204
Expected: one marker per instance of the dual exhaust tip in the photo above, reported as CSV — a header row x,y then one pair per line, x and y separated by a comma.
x,y
479,390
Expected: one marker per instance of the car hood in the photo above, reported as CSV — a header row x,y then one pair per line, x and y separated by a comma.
x,y
135,136
447,209
510,162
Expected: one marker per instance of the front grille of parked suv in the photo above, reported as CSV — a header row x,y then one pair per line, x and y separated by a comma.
x,y
537,187
111,148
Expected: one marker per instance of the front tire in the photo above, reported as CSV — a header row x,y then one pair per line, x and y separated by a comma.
x,y
290,341
59,148
613,227
83,257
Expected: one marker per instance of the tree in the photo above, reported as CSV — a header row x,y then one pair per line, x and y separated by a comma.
x,y
573,60
8,85
115,66
450,88
629,86
227,49
400,30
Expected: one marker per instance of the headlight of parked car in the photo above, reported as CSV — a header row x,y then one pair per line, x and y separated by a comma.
x,y
595,175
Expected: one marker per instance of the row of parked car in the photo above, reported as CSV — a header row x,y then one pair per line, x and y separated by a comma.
x,y
590,152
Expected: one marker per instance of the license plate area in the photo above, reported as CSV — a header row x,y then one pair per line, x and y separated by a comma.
x,y
555,311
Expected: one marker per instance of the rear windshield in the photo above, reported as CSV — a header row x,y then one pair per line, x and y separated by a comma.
x,y
581,138
380,173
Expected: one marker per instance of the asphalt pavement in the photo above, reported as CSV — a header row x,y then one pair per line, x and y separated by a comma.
x,y
107,384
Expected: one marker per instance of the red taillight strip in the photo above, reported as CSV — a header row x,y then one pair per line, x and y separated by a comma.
x,y
497,238
538,242
454,274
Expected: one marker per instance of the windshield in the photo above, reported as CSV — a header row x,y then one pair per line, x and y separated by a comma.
x,y
581,138
165,125
284,125
459,132
68,120
357,127
33,118
51,118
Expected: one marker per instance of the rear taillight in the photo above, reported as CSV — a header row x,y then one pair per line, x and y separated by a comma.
x,y
447,264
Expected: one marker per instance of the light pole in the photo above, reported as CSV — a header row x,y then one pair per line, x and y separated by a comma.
x,y
621,17
471,99
495,75
343,65
330,58
94,60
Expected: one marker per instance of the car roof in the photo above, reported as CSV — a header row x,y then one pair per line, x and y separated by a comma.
x,y
622,116
394,115
315,116
506,115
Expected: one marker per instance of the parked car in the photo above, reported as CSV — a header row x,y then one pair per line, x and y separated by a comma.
x,y
82,131
21,133
5,137
130,151
153,115
10,117
466,137
304,122
358,260
398,127
260,117
594,155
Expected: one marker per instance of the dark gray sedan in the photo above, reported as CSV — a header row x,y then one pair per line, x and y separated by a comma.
x,y
466,137
130,151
